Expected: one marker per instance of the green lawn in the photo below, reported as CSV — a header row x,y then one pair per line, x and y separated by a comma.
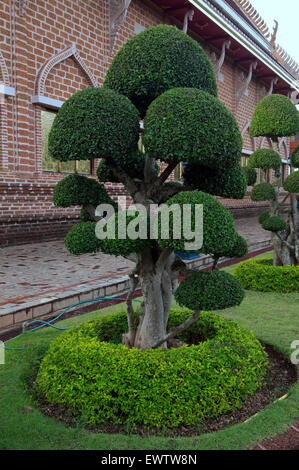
x,y
274,318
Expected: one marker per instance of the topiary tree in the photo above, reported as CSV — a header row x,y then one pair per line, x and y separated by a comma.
x,y
276,116
166,76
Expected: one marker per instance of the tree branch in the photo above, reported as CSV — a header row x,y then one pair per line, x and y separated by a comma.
x,y
123,177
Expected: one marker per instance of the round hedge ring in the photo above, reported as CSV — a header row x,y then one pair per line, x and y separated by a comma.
x,y
156,60
260,275
105,382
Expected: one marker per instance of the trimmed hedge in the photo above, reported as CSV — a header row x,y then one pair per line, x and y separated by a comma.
x,y
81,239
209,290
264,216
156,60
275,116
228,183
291,184
190,125
295,158
94,123
274,224
102,382
265,159
260,275
263,192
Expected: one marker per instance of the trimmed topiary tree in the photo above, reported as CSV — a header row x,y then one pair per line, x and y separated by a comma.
x,y
167,77
276,116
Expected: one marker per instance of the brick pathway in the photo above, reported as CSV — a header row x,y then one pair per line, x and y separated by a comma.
x,y
41,273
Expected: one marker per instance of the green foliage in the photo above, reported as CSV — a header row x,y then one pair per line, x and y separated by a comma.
x,y
81,239
238,250
263,217
295,158
78,190
209,290
275,116
260,275
113,244
250,174
265,159
190,125
85,216
102,382
218,224
157,60
228,183
263,192
274,224
133,166
94,123
291,184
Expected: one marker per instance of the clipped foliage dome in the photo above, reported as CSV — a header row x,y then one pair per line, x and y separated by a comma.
x,y
218,224
274,224
133,166
265,159
263,192
295,158
238,250
263,217
291,184
82,239
209,290
94,123
228,183
275,116
156,60
102,382
78,190
250,174
190,125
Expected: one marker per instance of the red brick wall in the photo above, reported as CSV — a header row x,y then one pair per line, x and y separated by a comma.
x,y
26,44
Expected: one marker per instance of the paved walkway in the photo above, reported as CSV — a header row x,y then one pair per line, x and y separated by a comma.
x,y
36,274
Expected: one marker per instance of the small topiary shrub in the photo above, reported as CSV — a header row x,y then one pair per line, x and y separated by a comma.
x,y
263,217
274,224
295,158
108,383
291,184
263,192
157,60
265,159
261,275
81,239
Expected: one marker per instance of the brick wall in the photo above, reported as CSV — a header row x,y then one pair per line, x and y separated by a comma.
x,y
29,51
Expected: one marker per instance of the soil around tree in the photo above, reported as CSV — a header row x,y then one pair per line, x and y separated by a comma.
x,y
281,375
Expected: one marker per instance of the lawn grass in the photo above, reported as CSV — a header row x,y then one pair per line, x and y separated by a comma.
x,y
274,318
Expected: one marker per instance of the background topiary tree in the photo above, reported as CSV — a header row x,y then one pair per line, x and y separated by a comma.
x,y
276,116
166,77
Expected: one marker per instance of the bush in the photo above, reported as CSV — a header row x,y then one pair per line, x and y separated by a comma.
x,y
291,184
264,216
261,275
157,60
82,239
228,183
265,159
274,224
107,383
251,175
295,158
94,123
209,290
275,116
186,124
263,192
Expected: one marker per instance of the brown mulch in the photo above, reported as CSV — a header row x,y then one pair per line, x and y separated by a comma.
x,y
287,441
281,375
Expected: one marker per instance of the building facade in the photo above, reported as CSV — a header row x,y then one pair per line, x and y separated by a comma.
x,y
50,50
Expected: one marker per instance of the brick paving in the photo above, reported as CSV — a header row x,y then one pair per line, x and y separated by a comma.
x,y
43,278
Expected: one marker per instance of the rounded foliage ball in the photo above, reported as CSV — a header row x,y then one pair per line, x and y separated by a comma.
x,y
82,239
275,116
295,158
94,123
265,159
263,217
106,383
263,192
156,60
78,190
217,226
238,250
291,184
250,174
228,183
209,290
190,125
274,224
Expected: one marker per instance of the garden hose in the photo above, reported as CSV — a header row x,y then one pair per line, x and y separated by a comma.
x,y
49,323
